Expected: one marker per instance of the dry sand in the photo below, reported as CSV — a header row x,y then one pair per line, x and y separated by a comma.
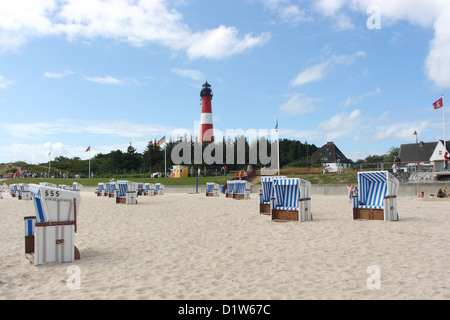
x,y
188,246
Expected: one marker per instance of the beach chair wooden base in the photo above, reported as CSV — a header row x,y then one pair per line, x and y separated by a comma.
x,y
367,214
284,215
30,255
264,208
13,195
210,194
238,196
228,195
111,195
29,244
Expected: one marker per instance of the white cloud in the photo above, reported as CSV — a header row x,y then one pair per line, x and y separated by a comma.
x,y
221,42
189,73
105,80
352,100
428,14
299,104
4,83
287,12
341,125
319,71
55,75
141,22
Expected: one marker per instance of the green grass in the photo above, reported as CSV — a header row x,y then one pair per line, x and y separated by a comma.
x,y
349,176
95,181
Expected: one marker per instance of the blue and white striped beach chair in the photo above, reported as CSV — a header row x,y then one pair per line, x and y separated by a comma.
x,y
112,189
229,189
149,189
76,186
99,190
107,189
126,192
23,192
49,236
377,196
159,189
140,188
241,190
266,193
212,189
291,200
13,189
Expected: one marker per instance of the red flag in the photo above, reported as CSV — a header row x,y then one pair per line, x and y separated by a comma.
x,y
88,149
439,103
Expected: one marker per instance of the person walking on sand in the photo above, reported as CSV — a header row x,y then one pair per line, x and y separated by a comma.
x,y
240,175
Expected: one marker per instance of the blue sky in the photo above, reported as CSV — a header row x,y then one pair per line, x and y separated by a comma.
x,y
360,73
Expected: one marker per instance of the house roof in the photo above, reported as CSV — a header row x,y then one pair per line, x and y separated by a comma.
x,y
421,151
329,153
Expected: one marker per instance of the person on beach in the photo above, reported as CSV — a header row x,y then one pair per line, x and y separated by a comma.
x,y
421,195
350,192
445,191
240,175
440,194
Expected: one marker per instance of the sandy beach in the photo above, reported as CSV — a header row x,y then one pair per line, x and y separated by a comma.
x,y
188,246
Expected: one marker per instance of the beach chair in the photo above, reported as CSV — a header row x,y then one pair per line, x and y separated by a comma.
x,y
377,197
266,193
47,184
99,190
230,189
106,189
76,186
112,189
126,192
291,200
149,189
3,188
13,190
159,189
140,188
50,234
241,190
212,189
23,192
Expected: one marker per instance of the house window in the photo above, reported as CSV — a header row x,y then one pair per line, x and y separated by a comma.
x,y
440,153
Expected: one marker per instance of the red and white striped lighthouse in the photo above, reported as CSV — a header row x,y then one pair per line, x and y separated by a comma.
x,y
206,126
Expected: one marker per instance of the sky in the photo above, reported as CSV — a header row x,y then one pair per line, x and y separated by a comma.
x,y
110,73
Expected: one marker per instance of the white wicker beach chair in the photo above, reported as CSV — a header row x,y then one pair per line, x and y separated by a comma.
x,y
49,236
149,189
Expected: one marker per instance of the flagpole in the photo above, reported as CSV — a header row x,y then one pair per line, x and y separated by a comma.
x,y
165,157
89,162
278,148
49,161
443,123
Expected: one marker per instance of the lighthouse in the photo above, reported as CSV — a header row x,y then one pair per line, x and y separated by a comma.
x,y
206,126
